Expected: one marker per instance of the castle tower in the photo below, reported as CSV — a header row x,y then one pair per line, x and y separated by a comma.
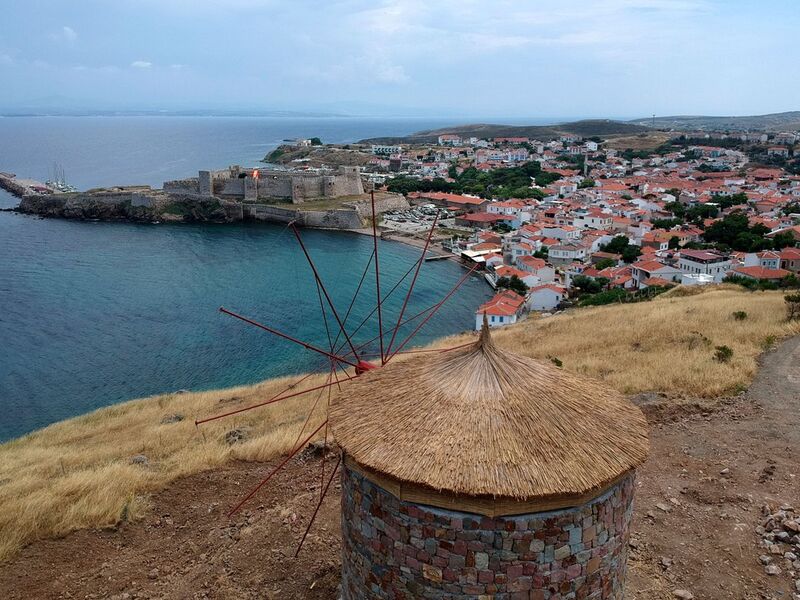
x,y
477,472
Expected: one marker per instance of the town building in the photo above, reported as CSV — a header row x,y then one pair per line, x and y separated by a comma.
x,y
704,262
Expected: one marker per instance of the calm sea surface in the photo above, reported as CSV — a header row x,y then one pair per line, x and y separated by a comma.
x,y
96,313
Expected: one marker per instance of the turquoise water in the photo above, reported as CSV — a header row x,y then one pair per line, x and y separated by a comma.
x,y
96,313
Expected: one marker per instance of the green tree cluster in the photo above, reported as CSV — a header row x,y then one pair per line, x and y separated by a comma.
x,y
588,285
513,182
513,283
728,200
622,245
734,231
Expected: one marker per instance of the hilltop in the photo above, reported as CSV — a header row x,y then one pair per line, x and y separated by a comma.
x,y
160,486
585,128
785,121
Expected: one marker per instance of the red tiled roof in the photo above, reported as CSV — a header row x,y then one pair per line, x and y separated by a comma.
x,y
504,304
761,272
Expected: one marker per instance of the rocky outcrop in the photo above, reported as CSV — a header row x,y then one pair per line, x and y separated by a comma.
x,y
151,206
127,206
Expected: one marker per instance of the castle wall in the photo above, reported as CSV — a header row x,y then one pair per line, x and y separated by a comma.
x,y
297,187
397,549
182,186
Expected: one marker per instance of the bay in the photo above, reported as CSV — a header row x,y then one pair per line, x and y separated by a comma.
x,y
96,313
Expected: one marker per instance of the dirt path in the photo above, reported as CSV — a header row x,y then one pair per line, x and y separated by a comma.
x,y
703,488
698,504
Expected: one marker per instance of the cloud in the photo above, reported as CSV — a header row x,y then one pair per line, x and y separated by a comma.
x,y
67,35
6,60
141,64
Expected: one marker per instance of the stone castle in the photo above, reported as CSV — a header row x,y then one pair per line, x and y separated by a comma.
x,y
254,185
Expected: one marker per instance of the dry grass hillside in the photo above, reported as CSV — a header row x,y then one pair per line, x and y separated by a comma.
x,y
79,473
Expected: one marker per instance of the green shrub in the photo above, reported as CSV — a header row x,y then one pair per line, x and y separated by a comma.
x,y
739,315
723,354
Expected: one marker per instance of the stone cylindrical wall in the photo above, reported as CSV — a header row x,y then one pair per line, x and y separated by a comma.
x,y
397,549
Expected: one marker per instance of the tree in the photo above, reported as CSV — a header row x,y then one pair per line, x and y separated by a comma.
x,y
676,208
791,208
616,245
700,212
588,285
734,231
622,245
586,183
605,264
631,253
781,240
666,223
674,242
728,200
543,253
513,283
315,141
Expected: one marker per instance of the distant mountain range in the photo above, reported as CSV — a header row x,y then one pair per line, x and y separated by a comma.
x,y
586,128
785,121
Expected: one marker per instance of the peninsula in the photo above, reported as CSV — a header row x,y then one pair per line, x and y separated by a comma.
x,y
330,198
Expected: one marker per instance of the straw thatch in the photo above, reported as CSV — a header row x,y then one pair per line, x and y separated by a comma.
x,y
481,421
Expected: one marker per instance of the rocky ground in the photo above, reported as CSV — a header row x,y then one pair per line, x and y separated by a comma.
x,y
716,516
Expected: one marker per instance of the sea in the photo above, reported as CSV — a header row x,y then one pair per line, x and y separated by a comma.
x,y
92,314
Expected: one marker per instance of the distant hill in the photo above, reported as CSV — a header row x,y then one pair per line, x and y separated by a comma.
x,y
586,128
785,121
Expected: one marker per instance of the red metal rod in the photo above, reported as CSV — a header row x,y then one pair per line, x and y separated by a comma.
x,y
406,322
374,310
286,337
436,307
319,504
276,469
314,406
377,273
324,291
411,287
324,319
265,403
355,295
286,389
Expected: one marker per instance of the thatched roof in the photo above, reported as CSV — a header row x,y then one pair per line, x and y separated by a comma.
x,y
481,421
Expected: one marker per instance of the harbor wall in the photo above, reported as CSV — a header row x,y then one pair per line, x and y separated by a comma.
x,y
145,205
352,215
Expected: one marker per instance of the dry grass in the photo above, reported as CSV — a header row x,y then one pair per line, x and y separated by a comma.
x,y
646,141
666,345
78,473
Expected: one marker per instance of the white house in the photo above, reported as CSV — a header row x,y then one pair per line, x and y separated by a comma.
x,y
564,254
704,262
504,308
647,269
546,296
537,266
561,232
528,278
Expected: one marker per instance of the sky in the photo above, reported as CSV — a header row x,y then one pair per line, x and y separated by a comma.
x,y
505,58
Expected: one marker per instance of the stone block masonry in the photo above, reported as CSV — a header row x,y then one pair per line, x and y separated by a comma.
x,y
396,549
